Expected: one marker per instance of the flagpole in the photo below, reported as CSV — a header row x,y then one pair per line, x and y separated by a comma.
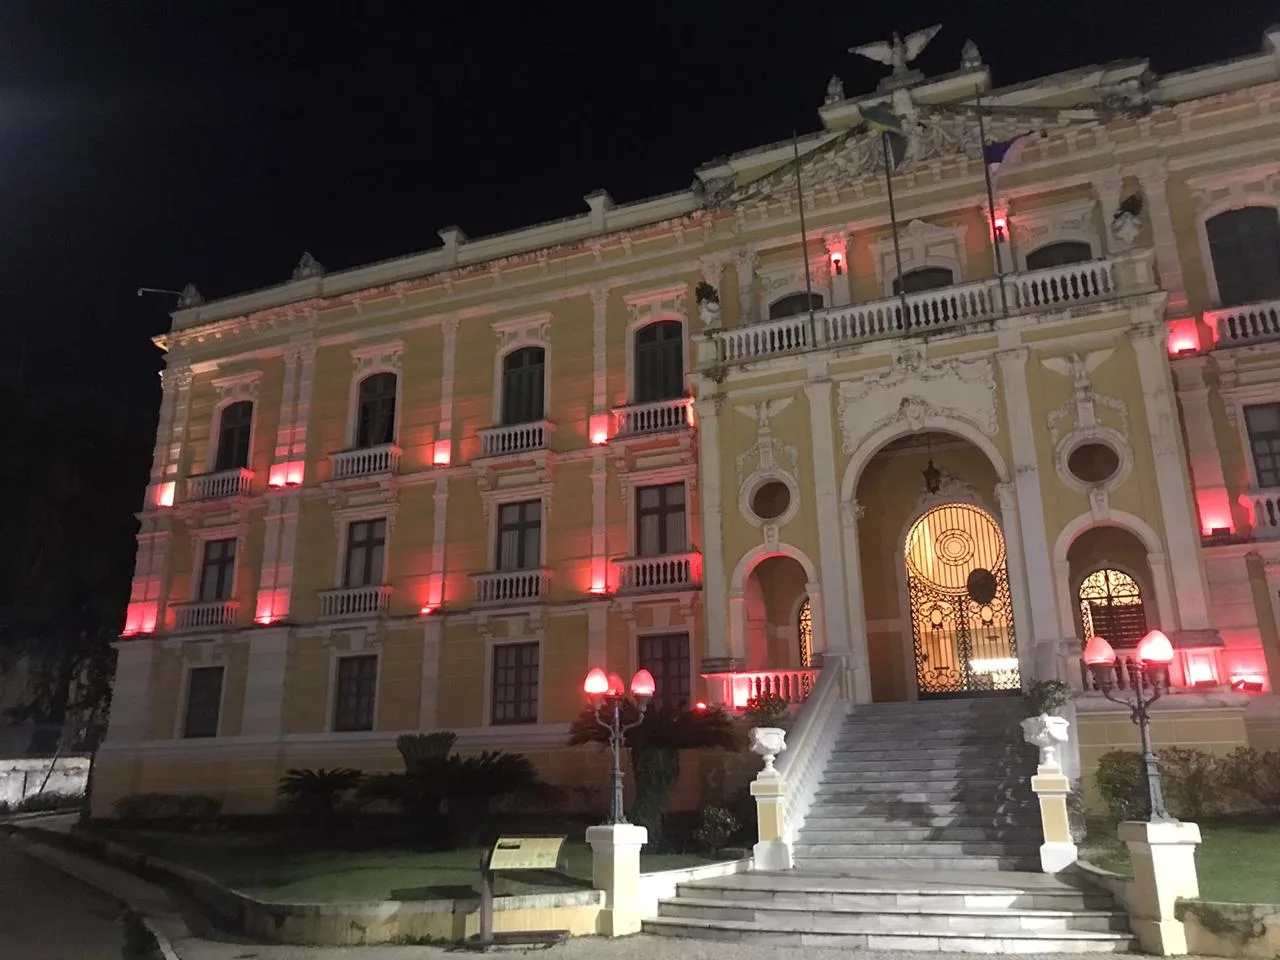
x,y
905,323
804,245
991,209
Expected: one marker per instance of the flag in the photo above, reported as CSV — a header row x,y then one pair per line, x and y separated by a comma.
x,y
879,118
996,154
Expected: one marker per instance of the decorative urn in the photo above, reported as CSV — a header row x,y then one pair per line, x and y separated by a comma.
x,y
768,742
1046,732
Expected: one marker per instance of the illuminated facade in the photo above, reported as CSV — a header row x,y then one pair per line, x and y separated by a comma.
x,y
430,493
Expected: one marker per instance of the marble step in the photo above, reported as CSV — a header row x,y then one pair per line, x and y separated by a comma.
x,y
858,823
950,761
861,849
993,774
1028,942
849,804
812,833
828,862
923,790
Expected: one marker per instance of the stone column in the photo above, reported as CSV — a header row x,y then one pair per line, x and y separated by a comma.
x,y
1153,175
1036,579
1193,376
1107,184
449,327
1164,870
267,672
736,648
130,719
1181,527
1030,650
771,852
715,587
429,696
859,659
744,258
615,869
827,501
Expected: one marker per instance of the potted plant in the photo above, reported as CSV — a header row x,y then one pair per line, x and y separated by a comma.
x,y
1126,222
708,300
1042,727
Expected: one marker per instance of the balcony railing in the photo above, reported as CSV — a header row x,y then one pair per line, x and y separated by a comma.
x,y
944,308
511,586
205,614
354,601
218,486
514,439
661,416
365,462
1265,505
677,571
1252,323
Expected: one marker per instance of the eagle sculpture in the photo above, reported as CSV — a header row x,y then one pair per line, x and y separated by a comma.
x,y
897,53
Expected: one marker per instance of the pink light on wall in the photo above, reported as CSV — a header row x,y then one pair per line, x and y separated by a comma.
x,y
1215,512
426,610
1201,669
286,474
164,493
837,262
140,618
1184,337
599,428
272,606
443,453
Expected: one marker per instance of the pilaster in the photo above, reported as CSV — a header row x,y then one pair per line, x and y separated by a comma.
x,y
850,513
713,573
265,683
600,345
1153,175
449,328
1192,375
130,718
827,503
599,519
837,247
429,696
745,259
1030,654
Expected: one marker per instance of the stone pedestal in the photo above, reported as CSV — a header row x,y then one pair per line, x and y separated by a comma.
x,y
1052,788
615,869
772,851
1164,869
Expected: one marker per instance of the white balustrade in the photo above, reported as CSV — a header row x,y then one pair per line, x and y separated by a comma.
x,y
201,615
1266,513
793,686
218,486
759,340
1252,323
1062,286
658,417
354,601
510,586
515,438
672,572
365,462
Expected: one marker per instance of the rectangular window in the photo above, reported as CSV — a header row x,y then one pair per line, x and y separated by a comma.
x,y
366,542
666,656
660,520
520,536
515,683
204,702
356,687
1263,423
217,570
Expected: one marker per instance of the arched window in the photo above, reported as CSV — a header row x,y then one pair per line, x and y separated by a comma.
x,y
794,304
1245,247
524,385
233,435
1059,254
1111,606
660,361
925,278
804,632
376,411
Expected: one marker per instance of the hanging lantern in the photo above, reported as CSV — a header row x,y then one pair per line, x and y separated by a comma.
x,y
932,477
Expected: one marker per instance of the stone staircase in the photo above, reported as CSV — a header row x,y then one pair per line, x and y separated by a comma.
x,y
923,836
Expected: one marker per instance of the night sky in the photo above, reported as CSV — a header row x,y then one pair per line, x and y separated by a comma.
x,y
155,143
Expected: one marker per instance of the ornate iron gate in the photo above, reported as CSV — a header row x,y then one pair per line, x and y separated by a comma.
x,y
961,613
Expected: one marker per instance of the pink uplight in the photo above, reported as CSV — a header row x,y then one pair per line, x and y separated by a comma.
x,y
164,493
599,428
443,453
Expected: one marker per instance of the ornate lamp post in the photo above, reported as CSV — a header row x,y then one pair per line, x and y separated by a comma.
x,y
1146,681
607,697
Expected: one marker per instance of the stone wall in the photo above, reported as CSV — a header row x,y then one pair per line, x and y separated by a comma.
x,y
20,779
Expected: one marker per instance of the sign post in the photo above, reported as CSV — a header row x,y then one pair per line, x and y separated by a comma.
x,y
511,854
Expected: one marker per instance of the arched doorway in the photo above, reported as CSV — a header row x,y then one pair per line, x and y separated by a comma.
x,y
804,632
1111,606
960,607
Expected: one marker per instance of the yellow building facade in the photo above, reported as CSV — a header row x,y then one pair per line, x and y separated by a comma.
x,y
432,493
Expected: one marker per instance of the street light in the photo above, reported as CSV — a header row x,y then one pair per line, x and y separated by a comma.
x,y
1155,653
607,697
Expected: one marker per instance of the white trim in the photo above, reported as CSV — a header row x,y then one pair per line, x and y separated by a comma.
x,y
753,558
336,655
757,479
491,643
1255,186
1097,433
657,306
343,518
184,695
494,500
199,536
686,631
870,445
532,332
242,387
632,483
1073,222
379,358
1242,400
922,244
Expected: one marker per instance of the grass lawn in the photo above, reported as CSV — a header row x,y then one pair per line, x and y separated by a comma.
x,y
1237,862
290,869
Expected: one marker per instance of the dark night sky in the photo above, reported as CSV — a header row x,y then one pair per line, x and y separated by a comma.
x,y
152,143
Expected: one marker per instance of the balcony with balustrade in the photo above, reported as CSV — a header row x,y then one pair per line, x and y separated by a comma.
x,y
515,440
661,574
222,485
1245,325
511,587
653,419
205,615
931,312
738,688
352,603
380,461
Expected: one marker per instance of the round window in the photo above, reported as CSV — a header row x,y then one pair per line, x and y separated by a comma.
x,y
1093,462
771,500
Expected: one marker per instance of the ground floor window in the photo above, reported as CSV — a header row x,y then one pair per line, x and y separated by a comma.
x,y
666,656
355,693
515,683
204,702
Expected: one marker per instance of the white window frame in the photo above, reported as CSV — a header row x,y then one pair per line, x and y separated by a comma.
x,y
242,386
218,659
787,277
1072,222
656,306
380,358
239,532
1256,186
630,484
687,629
516,334
343,518
1242,425
922,244
359,648
490,644
493,501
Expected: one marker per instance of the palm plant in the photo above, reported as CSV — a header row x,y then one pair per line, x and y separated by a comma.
x,y
319,794
655,745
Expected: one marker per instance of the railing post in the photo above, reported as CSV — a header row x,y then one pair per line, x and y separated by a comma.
x,y
772,850
1051,787
615,869
1164,871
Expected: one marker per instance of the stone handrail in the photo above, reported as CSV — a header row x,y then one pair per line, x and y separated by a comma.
x,y
354,601
365,462
810,742
657,417
202,614
669,572
510,586
1251,323
1266,512
216,486
514,438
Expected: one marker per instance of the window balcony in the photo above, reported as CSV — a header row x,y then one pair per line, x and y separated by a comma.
x,y
514,439
739,687
1251,323
1265,505
511,587
349,602
937,310
661,416
221,485
203,615
365,462
676,571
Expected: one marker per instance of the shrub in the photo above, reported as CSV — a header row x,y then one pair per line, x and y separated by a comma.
x,y
1192,781
766,710
50,800
319,795
1255,775
168,806
715,828
1123,785
1045,697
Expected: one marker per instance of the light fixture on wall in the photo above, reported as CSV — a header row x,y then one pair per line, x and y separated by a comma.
x,y
932,475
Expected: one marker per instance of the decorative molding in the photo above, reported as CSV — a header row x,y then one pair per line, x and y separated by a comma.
x,y
377,358
241,386
533,330
308,268
763,455
1085,400
649,306
922,244
1076,221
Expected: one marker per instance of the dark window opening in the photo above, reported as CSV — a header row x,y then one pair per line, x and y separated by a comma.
x,y
234,426
515,683
524,385
1059,255
660,362
1245,247
376,420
